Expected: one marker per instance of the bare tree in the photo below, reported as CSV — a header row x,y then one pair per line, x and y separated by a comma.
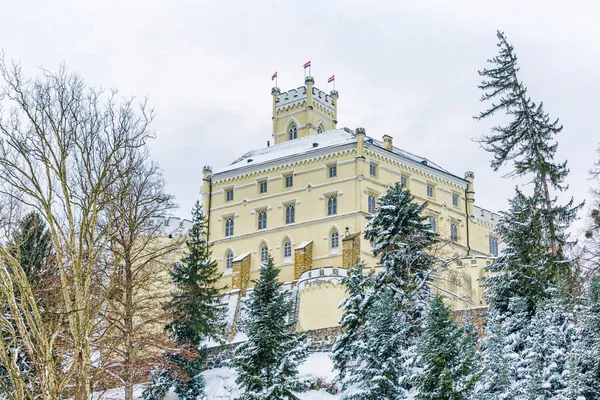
x,y
62,146
134,340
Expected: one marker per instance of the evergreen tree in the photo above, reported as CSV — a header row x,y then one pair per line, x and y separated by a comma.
x,y
494,382
550,342
346,348
401,239
528,141
267,363
586,352
449,363
385,356
195,316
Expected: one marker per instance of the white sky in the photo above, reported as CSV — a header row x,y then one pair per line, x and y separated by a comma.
x,y
404,68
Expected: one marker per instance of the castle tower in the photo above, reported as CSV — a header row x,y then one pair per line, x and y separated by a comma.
x,y
303,111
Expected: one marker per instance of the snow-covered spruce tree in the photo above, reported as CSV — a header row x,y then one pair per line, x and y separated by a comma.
x,y
448,358
401,239
346,348
267,363
548,358
493,383
586,352
195,316
383,358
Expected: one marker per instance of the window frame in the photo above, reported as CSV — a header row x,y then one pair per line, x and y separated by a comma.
x,y
457,198
454,232
228,191
289,176
404,181
260,186
290,217
371,201
334,237
228,262
433,225
432,188
229,228
259,220
287,245
493,245
332,204
264,253
293,128
331,168
373,167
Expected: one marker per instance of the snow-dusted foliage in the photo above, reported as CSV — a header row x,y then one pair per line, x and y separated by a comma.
x,y
386,359
350,341
267,363
448,359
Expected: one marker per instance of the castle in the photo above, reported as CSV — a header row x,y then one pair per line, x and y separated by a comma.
x,y
304,202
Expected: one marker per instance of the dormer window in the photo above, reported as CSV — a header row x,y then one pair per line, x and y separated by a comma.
x,y
319,129
293,132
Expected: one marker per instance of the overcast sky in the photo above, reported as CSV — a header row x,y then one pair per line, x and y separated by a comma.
x,y
403,68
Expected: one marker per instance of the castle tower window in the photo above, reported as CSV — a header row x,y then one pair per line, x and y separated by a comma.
x,y
335,240
290,214
372,204
332,205
229,260
229,227
293,132
455,200
432,223
430,191
228,194
373,169
494,246
287,248
289,180
262,220
264,253
453,232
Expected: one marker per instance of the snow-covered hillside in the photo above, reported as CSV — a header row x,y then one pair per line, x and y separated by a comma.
x,y
220,382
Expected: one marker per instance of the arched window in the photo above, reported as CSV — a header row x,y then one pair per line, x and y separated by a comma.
x,y
287,248
432,223
319,129
262,220
335,240
372,204
454,232
332,205
264,253
293,132
229,227
229,260
290,214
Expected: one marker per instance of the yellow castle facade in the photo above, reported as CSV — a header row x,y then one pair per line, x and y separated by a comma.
x,y
304,202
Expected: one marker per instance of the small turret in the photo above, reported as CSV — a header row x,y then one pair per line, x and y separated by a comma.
x,y
387,142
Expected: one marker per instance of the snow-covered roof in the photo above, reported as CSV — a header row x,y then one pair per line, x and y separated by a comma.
x,y
292,147
314,144
241,257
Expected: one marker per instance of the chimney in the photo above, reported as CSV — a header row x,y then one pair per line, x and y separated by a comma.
x,y
387,142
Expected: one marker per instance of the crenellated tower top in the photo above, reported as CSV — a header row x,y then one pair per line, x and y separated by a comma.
x,y
303,111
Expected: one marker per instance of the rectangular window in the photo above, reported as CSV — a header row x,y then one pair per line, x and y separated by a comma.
x,y
228,194
229,227
290,214
262,219
404,181
289,181
430,191
262,186
373,169
454,232
455,200
372,204
332,171
494,246
332,205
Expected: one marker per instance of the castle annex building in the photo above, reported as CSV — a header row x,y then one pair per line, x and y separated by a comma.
x,y
304,201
